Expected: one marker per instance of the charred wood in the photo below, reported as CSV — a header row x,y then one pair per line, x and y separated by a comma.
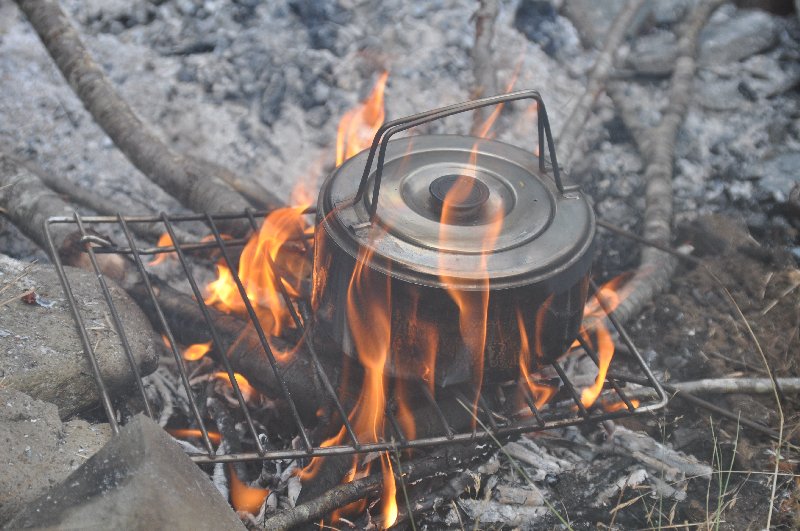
x,y
341,495
199,185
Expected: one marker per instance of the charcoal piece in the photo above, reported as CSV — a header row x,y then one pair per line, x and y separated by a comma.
x,y
37,451
322,20
40,350
538,21
141,479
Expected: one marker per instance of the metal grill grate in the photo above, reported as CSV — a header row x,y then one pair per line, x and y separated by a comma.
x,y
493,423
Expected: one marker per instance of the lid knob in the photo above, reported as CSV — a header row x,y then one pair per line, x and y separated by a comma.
x,y
465,203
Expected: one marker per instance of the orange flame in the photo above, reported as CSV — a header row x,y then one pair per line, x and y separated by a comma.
x,y
256,275
196,351
359,125
243,497
473,305
541,393
244,386
486,127
610,407
163,241
185,433
609,297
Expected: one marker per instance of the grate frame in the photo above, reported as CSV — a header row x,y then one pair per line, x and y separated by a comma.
x,y
557,416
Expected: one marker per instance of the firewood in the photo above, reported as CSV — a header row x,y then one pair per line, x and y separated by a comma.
x,y
199,185
658,150
485,79
341,495
576,121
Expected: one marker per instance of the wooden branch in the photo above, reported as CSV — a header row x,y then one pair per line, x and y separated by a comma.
x,y
576,121
658,150
341,495
725,386
102,205
483,70
198,185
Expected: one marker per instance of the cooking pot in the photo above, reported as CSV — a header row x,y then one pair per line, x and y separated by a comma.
x,y
515,242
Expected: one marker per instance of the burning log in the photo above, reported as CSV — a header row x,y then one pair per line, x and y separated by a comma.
x,y
342,495
199,185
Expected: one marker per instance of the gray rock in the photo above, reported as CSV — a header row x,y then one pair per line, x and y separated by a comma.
x,y
746,33
37,451
41,354
776,176
654,54
141,479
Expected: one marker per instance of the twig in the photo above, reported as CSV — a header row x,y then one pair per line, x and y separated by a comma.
x,y
574,124
199,185
347,493
450,491
485,82
658,150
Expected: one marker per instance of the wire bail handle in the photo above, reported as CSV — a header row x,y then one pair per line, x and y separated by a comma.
x,y
387,130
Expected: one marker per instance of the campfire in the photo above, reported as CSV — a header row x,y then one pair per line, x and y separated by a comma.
x,y
431,309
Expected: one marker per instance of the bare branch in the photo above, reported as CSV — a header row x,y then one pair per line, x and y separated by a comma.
x,y
199,185
597,80
485,82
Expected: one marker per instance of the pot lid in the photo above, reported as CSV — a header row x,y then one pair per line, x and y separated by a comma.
x,y
459,208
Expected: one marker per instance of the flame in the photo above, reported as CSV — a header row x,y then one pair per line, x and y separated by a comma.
x,y
359,125
258,279
541,393
163,241
610,407
486,127
594,313
473,305
196,351
244,386
185,433
243,497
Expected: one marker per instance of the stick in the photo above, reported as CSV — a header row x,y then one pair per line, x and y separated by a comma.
x,y
199,185
656,268
574,125
347,493
100,204
485,82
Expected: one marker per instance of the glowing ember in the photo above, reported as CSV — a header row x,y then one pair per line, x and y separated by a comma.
x,y
244,386
163,241
181,433
607,296
196,351
245,498
359,125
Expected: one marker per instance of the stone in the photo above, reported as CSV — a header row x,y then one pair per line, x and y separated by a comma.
x,y
746,33
776,176
654,54
37,451
141,479
40,350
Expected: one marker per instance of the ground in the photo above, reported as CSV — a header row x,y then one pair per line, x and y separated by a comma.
x,y
260,87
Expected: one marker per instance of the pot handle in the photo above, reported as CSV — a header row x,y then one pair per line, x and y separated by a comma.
x,y
387,130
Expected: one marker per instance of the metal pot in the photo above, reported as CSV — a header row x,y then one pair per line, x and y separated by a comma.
x,y
534,268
